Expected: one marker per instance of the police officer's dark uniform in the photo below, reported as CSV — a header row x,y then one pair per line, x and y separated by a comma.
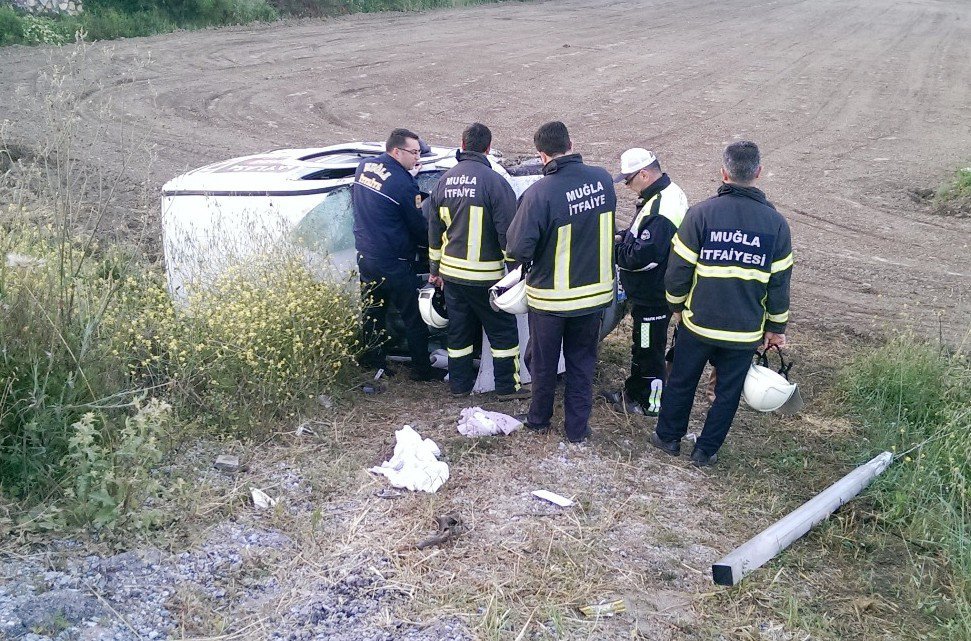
x,y
389,228
468,213
565,227
728,275
642,258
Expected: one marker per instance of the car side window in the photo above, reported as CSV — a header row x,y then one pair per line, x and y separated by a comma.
x,y
328,228
427,180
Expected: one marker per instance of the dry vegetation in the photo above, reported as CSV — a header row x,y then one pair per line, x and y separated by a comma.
x,y
645,528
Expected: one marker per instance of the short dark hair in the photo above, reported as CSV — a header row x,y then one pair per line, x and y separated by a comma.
x,y
742,160
398,137
476,137
654,166
552,139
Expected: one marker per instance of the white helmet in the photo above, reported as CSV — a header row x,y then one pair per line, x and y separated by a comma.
x,y
431,306
509,294
767,391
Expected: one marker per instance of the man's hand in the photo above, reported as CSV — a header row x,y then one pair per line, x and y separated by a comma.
x,y
436,281
773,340
676,317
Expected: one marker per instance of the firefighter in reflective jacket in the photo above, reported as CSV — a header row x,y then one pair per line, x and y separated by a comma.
x,y
728,277
389,227
468,214
565,227
642,258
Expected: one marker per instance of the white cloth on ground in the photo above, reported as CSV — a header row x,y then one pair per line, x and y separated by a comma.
x,y
414,464
476,421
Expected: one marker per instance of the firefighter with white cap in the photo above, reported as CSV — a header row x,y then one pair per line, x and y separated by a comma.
x,y
642,258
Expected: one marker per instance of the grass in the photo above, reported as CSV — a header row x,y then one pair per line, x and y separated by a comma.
x,y
110,19
102,373
915,398
958,188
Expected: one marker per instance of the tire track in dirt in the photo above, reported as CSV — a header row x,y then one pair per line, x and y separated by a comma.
x,y
850,112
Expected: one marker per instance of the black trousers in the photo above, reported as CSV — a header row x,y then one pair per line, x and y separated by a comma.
x,y
646,380
579,338
469,312
690,356
392,281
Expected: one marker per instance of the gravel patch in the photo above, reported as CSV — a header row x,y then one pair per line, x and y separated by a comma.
x,y
233,576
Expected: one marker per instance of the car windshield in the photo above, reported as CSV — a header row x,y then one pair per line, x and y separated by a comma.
x,y
328,228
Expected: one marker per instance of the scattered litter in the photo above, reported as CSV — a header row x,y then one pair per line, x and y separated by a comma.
x,y
691,437
261,499
325,401
449,526
598,610
379,374
227,463
546,495
304,429
414,464
22,260
372,389
388,493
478,422
439,359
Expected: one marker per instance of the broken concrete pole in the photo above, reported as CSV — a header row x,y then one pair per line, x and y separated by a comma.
x,y
227,463
762,547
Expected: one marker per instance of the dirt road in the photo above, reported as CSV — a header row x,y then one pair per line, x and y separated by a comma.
x,y
854,102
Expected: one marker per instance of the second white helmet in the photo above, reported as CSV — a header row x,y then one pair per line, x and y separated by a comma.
x,y
431,306
766,390
509,294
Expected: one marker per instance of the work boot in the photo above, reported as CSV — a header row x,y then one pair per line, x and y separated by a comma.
x,y
521,394
700,459
583,438
430,374
529,426
461,393
620,403
668,447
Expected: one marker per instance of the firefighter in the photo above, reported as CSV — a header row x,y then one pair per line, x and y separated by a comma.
x,y
564,227
642,258
468,214
389,228
728,279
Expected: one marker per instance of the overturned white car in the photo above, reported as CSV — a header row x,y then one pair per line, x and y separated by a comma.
x,y
221,214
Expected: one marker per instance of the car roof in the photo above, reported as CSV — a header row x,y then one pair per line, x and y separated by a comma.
x,y
281,170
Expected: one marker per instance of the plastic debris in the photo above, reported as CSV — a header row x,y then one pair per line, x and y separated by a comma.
x,y
552,497
325,401
304,429
449,526
226,463
261,499
598,610
414,464
478,422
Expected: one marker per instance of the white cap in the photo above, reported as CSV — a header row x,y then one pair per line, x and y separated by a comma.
x,y
632,161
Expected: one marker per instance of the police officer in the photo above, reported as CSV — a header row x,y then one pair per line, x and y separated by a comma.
x,y
389,228
728,278
468,213
642,258
564,227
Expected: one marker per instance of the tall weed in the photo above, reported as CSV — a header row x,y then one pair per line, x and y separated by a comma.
x,y
915,398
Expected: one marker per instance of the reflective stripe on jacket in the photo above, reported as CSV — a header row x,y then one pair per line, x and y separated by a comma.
x,y
468,214
730,267
565,227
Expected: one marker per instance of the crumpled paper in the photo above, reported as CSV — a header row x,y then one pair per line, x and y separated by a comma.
x,y
414,464
476,421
